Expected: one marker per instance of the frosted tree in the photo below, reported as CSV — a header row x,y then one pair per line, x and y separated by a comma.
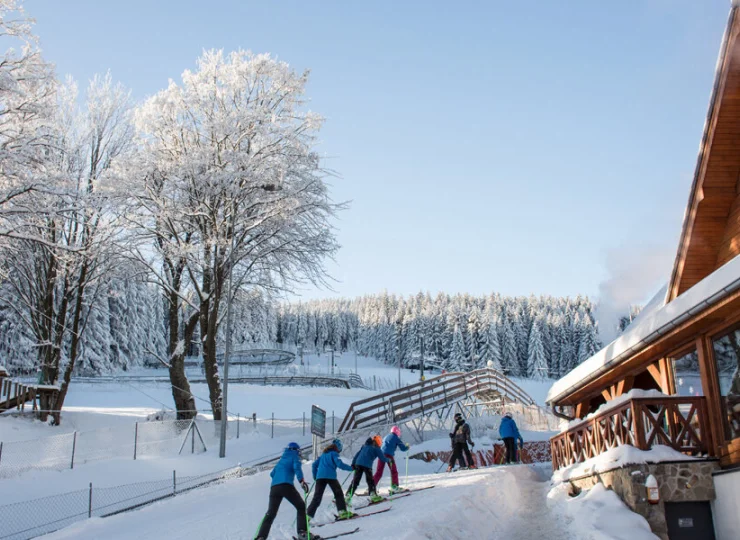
x,y
537,362
234,145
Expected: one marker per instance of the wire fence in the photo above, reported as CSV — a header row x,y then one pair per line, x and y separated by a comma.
x,y
28,519
143,440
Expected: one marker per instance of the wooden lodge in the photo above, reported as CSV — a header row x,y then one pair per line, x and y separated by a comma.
x,y
685,345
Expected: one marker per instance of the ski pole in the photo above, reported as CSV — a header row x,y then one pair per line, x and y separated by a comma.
x,y
407,469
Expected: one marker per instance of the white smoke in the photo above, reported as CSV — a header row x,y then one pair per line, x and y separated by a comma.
x,y
634,274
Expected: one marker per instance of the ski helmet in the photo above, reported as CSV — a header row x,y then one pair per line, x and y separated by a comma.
x,y
338,444
293,446
508,415
378,440
458,417
396,431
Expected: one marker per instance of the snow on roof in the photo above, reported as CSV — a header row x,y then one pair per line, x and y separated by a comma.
x,y
654,304
641,333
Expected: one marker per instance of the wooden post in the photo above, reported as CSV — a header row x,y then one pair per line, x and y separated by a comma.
x,y
638,426
710,383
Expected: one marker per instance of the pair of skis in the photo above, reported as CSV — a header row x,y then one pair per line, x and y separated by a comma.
x,y
345,533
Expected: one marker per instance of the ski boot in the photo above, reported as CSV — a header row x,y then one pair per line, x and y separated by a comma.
x,y
396,489
345,514
375,498
449,469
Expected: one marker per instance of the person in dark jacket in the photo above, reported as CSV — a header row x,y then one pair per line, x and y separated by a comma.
x,y
324,472
391,442
286,469
460,437
362,463
510,434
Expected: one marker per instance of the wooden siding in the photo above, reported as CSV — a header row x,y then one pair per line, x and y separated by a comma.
x,y
729,248
711,233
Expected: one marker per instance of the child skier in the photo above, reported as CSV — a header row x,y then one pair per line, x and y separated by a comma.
x,y
362,463
390,443
282,487
510,434
460,437
325,473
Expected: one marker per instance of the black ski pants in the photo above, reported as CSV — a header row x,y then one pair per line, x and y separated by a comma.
x,y
468,455
318,493
457,454
510,443
277,494
359,471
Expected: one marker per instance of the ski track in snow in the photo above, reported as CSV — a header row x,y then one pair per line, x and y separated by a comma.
x,y
508,502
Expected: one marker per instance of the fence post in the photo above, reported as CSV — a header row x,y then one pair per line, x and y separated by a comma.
x,y
332,423
192,438
238,419
89,502
136,437
375,383
174,482
272,426
1,448
304,433
74,444
254,420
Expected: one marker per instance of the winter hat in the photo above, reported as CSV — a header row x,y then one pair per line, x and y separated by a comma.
x,y
508,415
293,446
338,444
396,431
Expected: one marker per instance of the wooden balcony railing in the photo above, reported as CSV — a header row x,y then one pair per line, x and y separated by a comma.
x,y
679,422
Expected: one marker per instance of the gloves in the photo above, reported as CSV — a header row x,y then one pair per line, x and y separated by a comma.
x,y
305,487
472,443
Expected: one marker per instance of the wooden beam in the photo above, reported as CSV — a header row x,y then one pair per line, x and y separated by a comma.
x,y
607,394
667,384
582,409
624,386
655,374
710,385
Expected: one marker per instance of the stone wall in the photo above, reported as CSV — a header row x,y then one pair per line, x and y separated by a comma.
x,y
680,481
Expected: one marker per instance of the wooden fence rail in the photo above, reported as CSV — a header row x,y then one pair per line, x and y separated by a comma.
x,y
678,422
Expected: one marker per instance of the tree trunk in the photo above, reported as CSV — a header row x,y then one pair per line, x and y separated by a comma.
x,y
184,401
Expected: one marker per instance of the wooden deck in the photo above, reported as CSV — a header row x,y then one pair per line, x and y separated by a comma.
x,y
15,394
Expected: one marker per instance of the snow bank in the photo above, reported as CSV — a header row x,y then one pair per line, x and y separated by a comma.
x,y
598,514
632,394
619,457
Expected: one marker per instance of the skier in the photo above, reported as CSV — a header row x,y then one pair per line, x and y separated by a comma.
x,y
390,443
325,473
362,463
288,467
460,437
510,434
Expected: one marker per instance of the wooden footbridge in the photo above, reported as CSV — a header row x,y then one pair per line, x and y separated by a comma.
x,y
485,388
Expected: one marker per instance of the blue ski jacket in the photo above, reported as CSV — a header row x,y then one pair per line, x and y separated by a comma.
x,y
326,466
508,429
391,442
367,454
288,467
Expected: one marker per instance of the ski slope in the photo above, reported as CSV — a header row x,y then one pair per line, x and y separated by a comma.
x,y
512,502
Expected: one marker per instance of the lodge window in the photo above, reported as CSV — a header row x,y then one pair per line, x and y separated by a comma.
x,y
686,374
727,359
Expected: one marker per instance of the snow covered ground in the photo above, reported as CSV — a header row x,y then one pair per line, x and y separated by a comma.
x,y
513,502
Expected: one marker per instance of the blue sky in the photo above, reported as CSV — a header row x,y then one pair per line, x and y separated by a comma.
x,y
486,146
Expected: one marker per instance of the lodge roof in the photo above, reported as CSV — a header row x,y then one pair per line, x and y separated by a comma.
x,y
696,281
